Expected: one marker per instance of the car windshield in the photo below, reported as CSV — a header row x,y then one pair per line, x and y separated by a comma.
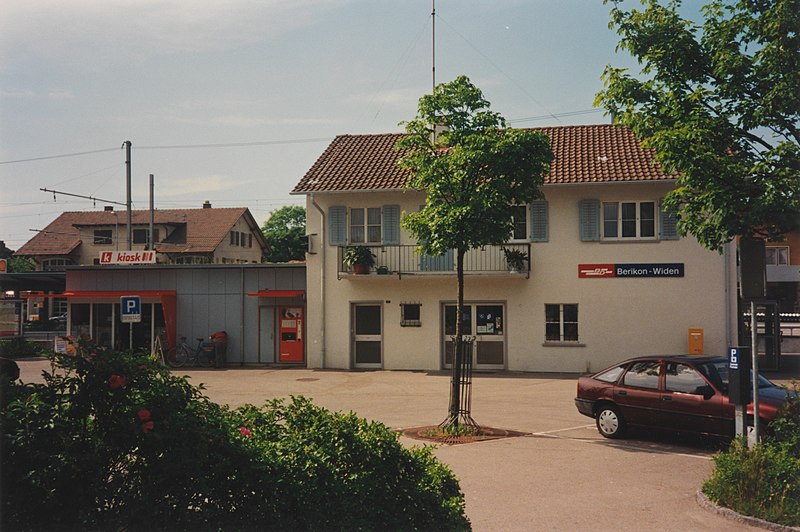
x,y
717,373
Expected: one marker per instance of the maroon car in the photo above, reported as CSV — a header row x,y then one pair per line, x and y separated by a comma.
x,y
675,393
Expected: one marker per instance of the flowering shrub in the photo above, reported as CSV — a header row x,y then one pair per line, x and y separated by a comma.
x,y
115,441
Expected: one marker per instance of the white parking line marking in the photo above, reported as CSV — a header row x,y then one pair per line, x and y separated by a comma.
x,y
549,432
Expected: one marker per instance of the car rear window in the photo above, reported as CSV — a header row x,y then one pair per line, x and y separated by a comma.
x,y
610,375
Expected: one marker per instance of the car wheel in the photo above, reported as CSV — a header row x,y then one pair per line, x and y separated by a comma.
x,y
609,422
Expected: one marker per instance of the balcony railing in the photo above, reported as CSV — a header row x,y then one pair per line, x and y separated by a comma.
x,y
406,260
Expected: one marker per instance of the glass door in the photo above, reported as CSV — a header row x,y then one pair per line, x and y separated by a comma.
x,y
486,322
367,336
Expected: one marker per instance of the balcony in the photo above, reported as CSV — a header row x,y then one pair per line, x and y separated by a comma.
x,y
399,261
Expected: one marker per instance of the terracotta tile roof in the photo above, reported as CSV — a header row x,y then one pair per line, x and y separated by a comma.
x,y
583,154
204,230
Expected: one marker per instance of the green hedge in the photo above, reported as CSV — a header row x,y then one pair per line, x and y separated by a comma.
x,y
764,481
114,441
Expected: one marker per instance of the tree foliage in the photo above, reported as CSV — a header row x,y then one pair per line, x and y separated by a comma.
x,y
472,169
284,231
472,173
720,104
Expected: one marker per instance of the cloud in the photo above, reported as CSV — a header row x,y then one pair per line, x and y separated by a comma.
x,y
94,33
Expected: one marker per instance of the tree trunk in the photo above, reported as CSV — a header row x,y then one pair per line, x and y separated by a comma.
x,y
455,392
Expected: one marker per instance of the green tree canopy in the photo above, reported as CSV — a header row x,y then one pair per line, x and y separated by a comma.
x,y
473,169
472,173
720,104
284,231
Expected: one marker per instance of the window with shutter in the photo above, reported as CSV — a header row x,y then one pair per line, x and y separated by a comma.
x,y
337,225
589,220
668,223
539,227
391,224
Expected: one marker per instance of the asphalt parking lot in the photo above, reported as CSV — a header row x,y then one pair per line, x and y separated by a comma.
x,y
562,476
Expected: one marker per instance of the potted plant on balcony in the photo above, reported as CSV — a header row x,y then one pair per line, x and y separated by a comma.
x,y
516,259
359,258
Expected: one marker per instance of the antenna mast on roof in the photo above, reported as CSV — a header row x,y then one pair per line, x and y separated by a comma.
x,y
433,46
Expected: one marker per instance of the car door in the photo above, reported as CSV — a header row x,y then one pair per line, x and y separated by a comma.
x,y
689,403
637,393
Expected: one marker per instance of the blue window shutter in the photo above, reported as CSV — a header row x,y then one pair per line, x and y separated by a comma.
x,y
391,224
590,220
337,225
539,227
668,223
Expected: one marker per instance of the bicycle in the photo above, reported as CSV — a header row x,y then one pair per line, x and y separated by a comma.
x,y
203,355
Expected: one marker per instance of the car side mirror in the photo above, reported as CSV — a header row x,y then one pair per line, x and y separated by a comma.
x,y
706,391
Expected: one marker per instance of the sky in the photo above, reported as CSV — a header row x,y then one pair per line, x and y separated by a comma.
x,y
232,101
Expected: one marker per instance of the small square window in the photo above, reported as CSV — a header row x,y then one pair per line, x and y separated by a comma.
x,y
410,314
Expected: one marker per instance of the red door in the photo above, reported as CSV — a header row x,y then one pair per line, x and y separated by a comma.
x,y
290,334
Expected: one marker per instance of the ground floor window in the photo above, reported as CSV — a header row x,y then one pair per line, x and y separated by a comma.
x,y
101,323
561,322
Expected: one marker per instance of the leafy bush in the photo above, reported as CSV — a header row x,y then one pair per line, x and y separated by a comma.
x,y
764,481
114,441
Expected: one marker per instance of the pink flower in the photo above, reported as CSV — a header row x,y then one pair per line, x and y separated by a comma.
x,y
245,432
115,382
144,414
147,426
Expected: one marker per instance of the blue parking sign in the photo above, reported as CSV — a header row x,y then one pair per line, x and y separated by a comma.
x,y
130,309
733,358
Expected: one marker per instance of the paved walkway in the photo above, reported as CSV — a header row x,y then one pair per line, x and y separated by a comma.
x,y
562,477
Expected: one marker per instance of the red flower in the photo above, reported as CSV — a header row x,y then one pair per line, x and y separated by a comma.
x,y
144,414
245,432
147,426
116,382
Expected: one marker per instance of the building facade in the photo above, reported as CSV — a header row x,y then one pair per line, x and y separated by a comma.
x,y
607,278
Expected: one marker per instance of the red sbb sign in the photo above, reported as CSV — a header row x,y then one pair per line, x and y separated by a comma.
x,y
597,270
128,257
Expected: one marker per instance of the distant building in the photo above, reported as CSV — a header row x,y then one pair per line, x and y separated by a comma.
x,y
180,236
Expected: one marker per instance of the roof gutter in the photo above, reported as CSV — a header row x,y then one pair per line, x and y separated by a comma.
x,y
321,279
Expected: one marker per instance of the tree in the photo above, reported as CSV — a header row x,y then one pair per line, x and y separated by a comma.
x,y
284,231
473,169
720,104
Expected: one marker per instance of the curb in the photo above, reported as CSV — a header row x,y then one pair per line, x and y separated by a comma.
x,y
727,513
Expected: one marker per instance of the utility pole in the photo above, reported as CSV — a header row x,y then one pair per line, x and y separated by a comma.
x,y
127,146
152,244
433,46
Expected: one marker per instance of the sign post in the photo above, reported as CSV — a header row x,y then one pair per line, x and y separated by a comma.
x,y
130,313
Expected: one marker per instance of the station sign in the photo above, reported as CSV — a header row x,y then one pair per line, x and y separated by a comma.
x,y
127,257
670,269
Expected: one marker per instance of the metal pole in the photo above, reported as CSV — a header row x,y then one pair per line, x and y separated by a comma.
x,y
127,145
754,351
151,244
433,45
130,335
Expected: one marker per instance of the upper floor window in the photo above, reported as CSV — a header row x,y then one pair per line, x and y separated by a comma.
x,y
629,219
519,218
365,225
55,264
778,255
140,235
102,236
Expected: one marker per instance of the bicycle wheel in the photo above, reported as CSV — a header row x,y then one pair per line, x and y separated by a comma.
x,y
205,358
177,356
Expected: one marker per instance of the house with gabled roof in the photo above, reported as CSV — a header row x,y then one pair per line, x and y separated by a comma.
x,y
606,275
180,236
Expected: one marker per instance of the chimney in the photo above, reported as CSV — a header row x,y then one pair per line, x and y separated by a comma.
x,y
207,204
108,208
